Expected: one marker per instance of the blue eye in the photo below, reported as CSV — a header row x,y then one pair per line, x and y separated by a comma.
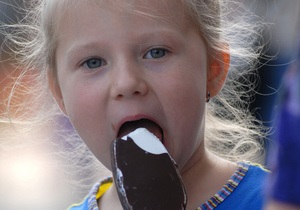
x,y
94,63
156,53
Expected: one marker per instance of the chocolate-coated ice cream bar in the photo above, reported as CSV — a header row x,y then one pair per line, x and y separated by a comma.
x,y
145,175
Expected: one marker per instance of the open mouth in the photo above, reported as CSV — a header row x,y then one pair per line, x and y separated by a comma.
x,y
130,126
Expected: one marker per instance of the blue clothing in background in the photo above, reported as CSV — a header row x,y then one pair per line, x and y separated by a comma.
x,y
284,183
285,180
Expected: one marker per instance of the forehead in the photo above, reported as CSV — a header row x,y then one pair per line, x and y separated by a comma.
x,y
167,11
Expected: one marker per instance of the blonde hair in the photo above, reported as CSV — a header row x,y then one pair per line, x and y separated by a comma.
x,y
231,131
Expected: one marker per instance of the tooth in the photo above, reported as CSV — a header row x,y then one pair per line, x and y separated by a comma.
x,y
146,176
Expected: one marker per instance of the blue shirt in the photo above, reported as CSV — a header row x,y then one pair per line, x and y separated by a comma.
x,y
243,191
248,194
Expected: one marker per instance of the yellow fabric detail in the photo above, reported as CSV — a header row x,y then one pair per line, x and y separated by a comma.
x,y
102,189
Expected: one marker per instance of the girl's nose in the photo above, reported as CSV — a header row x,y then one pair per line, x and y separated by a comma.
x,y
128,81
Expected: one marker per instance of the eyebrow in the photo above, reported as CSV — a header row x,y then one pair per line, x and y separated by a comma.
x,y
169,36
166,35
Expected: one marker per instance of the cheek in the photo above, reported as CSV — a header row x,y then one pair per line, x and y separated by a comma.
x,y
87,114
85,108
81,96
77,101
187,84
184,104
188,102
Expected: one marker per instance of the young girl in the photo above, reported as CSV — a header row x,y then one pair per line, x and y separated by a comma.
x,y
163,64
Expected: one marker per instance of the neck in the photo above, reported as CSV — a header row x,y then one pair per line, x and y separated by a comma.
x,y
205,175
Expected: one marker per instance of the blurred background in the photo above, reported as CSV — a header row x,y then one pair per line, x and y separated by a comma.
x,y
32,177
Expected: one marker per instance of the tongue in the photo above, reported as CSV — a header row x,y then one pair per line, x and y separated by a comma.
x,y
128,127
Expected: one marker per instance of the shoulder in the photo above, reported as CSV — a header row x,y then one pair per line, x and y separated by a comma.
x,y
254,181
90,201
256,173
249,194
244,190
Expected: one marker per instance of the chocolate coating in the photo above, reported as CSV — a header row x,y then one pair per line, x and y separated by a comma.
x,y
146,181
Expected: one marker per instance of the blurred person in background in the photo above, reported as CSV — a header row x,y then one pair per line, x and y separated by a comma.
x,y
283,187
280,79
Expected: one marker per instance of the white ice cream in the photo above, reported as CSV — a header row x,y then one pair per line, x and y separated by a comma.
x,y
146,141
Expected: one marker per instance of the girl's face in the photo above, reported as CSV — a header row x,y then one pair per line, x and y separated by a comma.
x,y
115,68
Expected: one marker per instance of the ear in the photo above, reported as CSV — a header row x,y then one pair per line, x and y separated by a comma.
x,y
55,90
217,72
